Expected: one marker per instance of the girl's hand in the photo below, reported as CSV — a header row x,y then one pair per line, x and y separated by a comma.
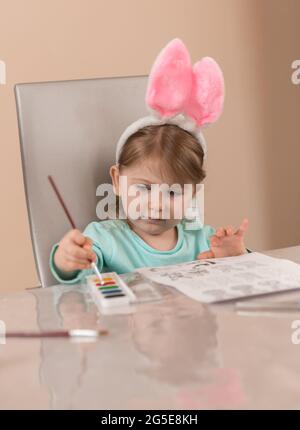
x,y
74,252
226,243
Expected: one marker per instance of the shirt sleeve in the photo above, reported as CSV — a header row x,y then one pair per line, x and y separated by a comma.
x,y
100,242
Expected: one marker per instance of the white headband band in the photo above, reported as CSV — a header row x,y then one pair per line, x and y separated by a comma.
x,y
179,120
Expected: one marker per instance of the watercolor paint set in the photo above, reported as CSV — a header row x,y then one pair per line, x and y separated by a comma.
x,y
112,293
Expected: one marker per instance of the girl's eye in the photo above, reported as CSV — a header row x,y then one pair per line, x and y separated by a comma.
x,y
175,193
147,188
143,187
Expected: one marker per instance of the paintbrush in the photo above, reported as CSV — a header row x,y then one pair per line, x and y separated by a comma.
x,y
61,201
75,333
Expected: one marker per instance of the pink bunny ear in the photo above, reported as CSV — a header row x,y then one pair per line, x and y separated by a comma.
x,y
207,97
170,80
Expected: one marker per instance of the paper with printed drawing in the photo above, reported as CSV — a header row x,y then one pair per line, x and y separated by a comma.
x,y
220,279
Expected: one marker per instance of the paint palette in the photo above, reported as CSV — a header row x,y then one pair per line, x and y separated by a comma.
x,y
113,293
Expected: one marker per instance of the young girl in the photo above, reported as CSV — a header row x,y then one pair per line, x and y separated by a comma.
x,y
166,147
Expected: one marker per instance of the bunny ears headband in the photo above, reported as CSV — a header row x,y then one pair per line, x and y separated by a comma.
x,y
179,93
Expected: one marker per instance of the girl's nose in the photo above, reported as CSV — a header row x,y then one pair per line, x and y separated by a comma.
x,y
159,202
157,209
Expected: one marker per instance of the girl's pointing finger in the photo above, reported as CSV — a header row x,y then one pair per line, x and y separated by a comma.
x,y
243,227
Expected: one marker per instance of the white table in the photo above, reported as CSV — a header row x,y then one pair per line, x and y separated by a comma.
x,y
176,353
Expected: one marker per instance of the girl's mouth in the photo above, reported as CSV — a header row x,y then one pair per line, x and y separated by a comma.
x,y
153,220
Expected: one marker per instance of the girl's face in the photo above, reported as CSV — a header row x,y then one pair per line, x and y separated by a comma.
x,y
149,203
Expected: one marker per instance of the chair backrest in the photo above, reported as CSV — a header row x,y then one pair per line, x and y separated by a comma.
x,y
69,129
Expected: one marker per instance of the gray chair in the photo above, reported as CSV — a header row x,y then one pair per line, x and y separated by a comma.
x,y
69,129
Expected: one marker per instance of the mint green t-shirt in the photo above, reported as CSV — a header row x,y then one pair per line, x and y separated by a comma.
x,y
119,249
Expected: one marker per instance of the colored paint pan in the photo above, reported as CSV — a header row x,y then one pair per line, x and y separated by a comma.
x,y
109,287
116,290
115,295
107,283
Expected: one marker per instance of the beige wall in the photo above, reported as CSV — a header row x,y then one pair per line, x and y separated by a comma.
x,y
253,150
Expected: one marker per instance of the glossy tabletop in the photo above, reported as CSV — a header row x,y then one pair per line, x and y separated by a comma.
x,y
172,354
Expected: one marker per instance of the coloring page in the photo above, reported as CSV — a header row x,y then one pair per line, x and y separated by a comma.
x,y
219,279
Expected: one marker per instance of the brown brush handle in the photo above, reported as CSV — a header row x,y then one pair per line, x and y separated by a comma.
x,y
37,334
61,200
